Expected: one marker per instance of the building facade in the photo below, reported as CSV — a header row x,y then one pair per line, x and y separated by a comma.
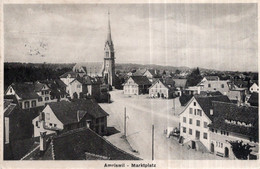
x,y
136,85
160,90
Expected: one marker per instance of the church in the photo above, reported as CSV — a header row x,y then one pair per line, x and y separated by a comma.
x,y
99,69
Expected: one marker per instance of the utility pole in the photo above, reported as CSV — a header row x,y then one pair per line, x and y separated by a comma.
x,y
153,142
173,106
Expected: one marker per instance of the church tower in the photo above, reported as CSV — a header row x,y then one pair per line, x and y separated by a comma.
x,y
109,58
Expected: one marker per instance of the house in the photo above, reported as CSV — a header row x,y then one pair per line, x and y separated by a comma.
x,y
58,89
91,86
29,94
160,90
136,85
194,121
180,85
77,144
233,123
75,88
150,74
17,121
253,99
210,78
65,115
254,88
68,77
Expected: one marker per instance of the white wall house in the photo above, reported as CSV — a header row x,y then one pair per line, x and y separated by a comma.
x,y
160,90
74,87
194,125
254,88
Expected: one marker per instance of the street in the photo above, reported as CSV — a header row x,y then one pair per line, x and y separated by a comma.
x,y
143,112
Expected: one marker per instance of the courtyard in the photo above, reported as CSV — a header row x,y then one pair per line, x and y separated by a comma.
x,y
143,112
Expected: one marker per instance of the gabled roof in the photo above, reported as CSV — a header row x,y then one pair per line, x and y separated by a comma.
x,y
79,144
71,73
67,111
56,86
141,80
210,93
232,112
151,71
26,90
159,80
206,102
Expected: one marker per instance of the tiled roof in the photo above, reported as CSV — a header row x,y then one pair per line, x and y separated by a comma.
x,y
79,144
26,90
233,112
85,140
66,111
152,71
210,93
141,80
56,86
180,83
205,102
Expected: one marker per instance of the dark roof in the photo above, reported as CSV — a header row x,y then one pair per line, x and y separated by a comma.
x,y
71,73
253,100
91,68
84,144
56,86
66,111
141,80
152,71
9,109
180,83
228,111
162,81
60,83
88,80
205,102
26,90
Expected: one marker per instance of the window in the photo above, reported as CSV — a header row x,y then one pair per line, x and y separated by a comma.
x,y
184,119
46,92
78,86
190,110
47,116
42,92
11,90
46,98
206,125
212,130
194,103
216,131
40,99
184,129
205,135
51,124
190,121
222,85
55,125
62,96
26,104
37,124
227,133
199,112
198,123
52,97
33,103
190,131
195,111
209,85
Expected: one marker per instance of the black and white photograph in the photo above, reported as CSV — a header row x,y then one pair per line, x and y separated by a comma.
x,y
131,82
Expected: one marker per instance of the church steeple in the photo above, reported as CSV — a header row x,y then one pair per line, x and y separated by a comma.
x,y
109,37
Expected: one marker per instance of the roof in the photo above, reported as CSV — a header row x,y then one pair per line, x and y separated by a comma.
x,y
233,112
160,80
253,100
92,68
212,78
8,109
26,90
66,111
84,144
141,80
152,71
210,93
205,102
71,73
180,83
139,72
57,87
88,80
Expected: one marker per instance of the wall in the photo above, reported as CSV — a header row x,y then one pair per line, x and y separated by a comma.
x,y
130,87
159,87
73,87
215,86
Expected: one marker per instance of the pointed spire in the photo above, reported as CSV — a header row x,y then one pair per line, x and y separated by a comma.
x,y
109,38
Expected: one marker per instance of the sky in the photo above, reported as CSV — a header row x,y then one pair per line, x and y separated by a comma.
x,y
215,36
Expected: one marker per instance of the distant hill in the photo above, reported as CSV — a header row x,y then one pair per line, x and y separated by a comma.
x,y
129,66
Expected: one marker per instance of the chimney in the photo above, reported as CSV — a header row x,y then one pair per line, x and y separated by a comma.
x,y
211,112
43,141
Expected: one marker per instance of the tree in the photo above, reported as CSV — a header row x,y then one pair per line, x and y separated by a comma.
x,y
177,71
194,78
240,150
